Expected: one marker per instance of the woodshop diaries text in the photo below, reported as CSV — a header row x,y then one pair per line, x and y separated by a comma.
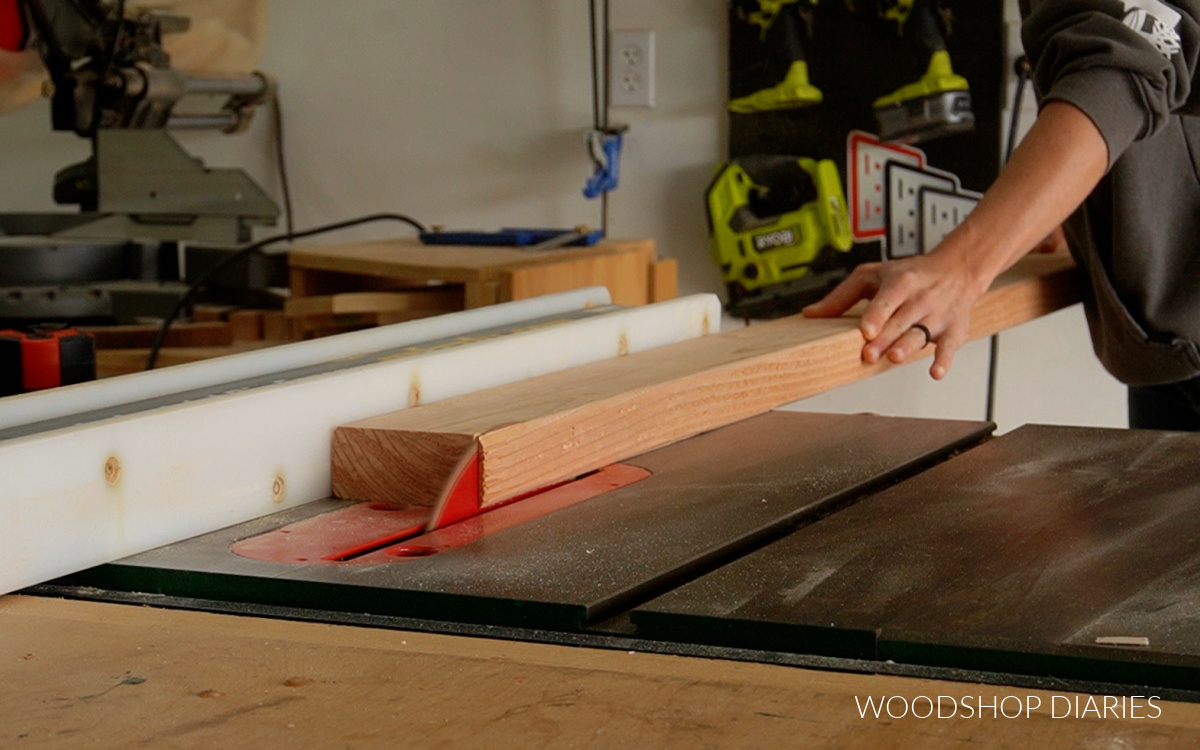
x,y
1008,707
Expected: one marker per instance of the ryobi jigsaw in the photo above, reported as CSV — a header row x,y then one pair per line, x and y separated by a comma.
x,y
778,226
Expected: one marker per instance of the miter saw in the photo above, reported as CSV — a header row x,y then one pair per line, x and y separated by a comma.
x,y
140,193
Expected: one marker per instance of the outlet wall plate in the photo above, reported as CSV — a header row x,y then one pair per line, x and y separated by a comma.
x,y
941,212
866,158
631,68
904,184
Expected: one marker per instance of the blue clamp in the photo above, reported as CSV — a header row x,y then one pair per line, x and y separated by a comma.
x,y
607,164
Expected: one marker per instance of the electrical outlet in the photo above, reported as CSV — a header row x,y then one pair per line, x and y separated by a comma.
x,y
631,68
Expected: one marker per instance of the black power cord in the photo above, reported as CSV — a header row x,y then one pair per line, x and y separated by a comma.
x,y
595,48
255,247
281,163
118,39
604,106
601,83
1022,70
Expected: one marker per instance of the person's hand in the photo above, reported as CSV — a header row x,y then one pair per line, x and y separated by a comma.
x,y
928,299
934,291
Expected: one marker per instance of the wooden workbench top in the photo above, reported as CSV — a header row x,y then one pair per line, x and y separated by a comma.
x,y
80,674
409,259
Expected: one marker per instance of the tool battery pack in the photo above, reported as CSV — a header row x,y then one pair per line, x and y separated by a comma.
x,y
33,359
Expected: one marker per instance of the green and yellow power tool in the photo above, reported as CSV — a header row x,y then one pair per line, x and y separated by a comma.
x,y
779,227
781,31
936,105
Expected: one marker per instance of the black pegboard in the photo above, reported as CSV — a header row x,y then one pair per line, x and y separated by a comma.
x,y
856,57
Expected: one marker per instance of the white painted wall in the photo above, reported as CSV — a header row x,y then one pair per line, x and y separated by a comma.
x,y
471,114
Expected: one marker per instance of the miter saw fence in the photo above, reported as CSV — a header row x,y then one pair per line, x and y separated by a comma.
x,y
779,230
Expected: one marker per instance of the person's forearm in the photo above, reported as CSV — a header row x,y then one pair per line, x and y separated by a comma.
x,y
1053,170
928,298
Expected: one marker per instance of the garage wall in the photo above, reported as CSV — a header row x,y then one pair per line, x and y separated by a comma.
x,y
471,114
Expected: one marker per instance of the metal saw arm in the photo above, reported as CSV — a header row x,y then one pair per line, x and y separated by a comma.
x,y
109,70
111,81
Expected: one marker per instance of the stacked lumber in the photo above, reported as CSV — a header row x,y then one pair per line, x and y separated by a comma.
x,y
485,275
323,315
142,336
214,331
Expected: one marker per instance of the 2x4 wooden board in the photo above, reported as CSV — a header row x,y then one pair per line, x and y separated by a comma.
x,y
534,433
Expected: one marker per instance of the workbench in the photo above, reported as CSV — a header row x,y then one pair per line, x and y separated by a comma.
x,y
83,674
487,275
340,288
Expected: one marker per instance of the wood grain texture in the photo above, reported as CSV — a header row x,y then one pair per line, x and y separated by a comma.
x,y
276,326
664,279
316,326
626,275
136,336
92,675
409,259
384,462
484,275
246,325
110,362
546,429
206,313
481,293
305,282
430,299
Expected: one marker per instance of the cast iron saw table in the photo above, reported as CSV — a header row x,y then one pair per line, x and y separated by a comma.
x,y
1048,557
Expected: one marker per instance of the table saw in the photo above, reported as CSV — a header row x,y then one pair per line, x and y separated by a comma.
x,y
1047,558
903,546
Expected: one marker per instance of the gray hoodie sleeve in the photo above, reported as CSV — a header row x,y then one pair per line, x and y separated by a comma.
x,y
1127,64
